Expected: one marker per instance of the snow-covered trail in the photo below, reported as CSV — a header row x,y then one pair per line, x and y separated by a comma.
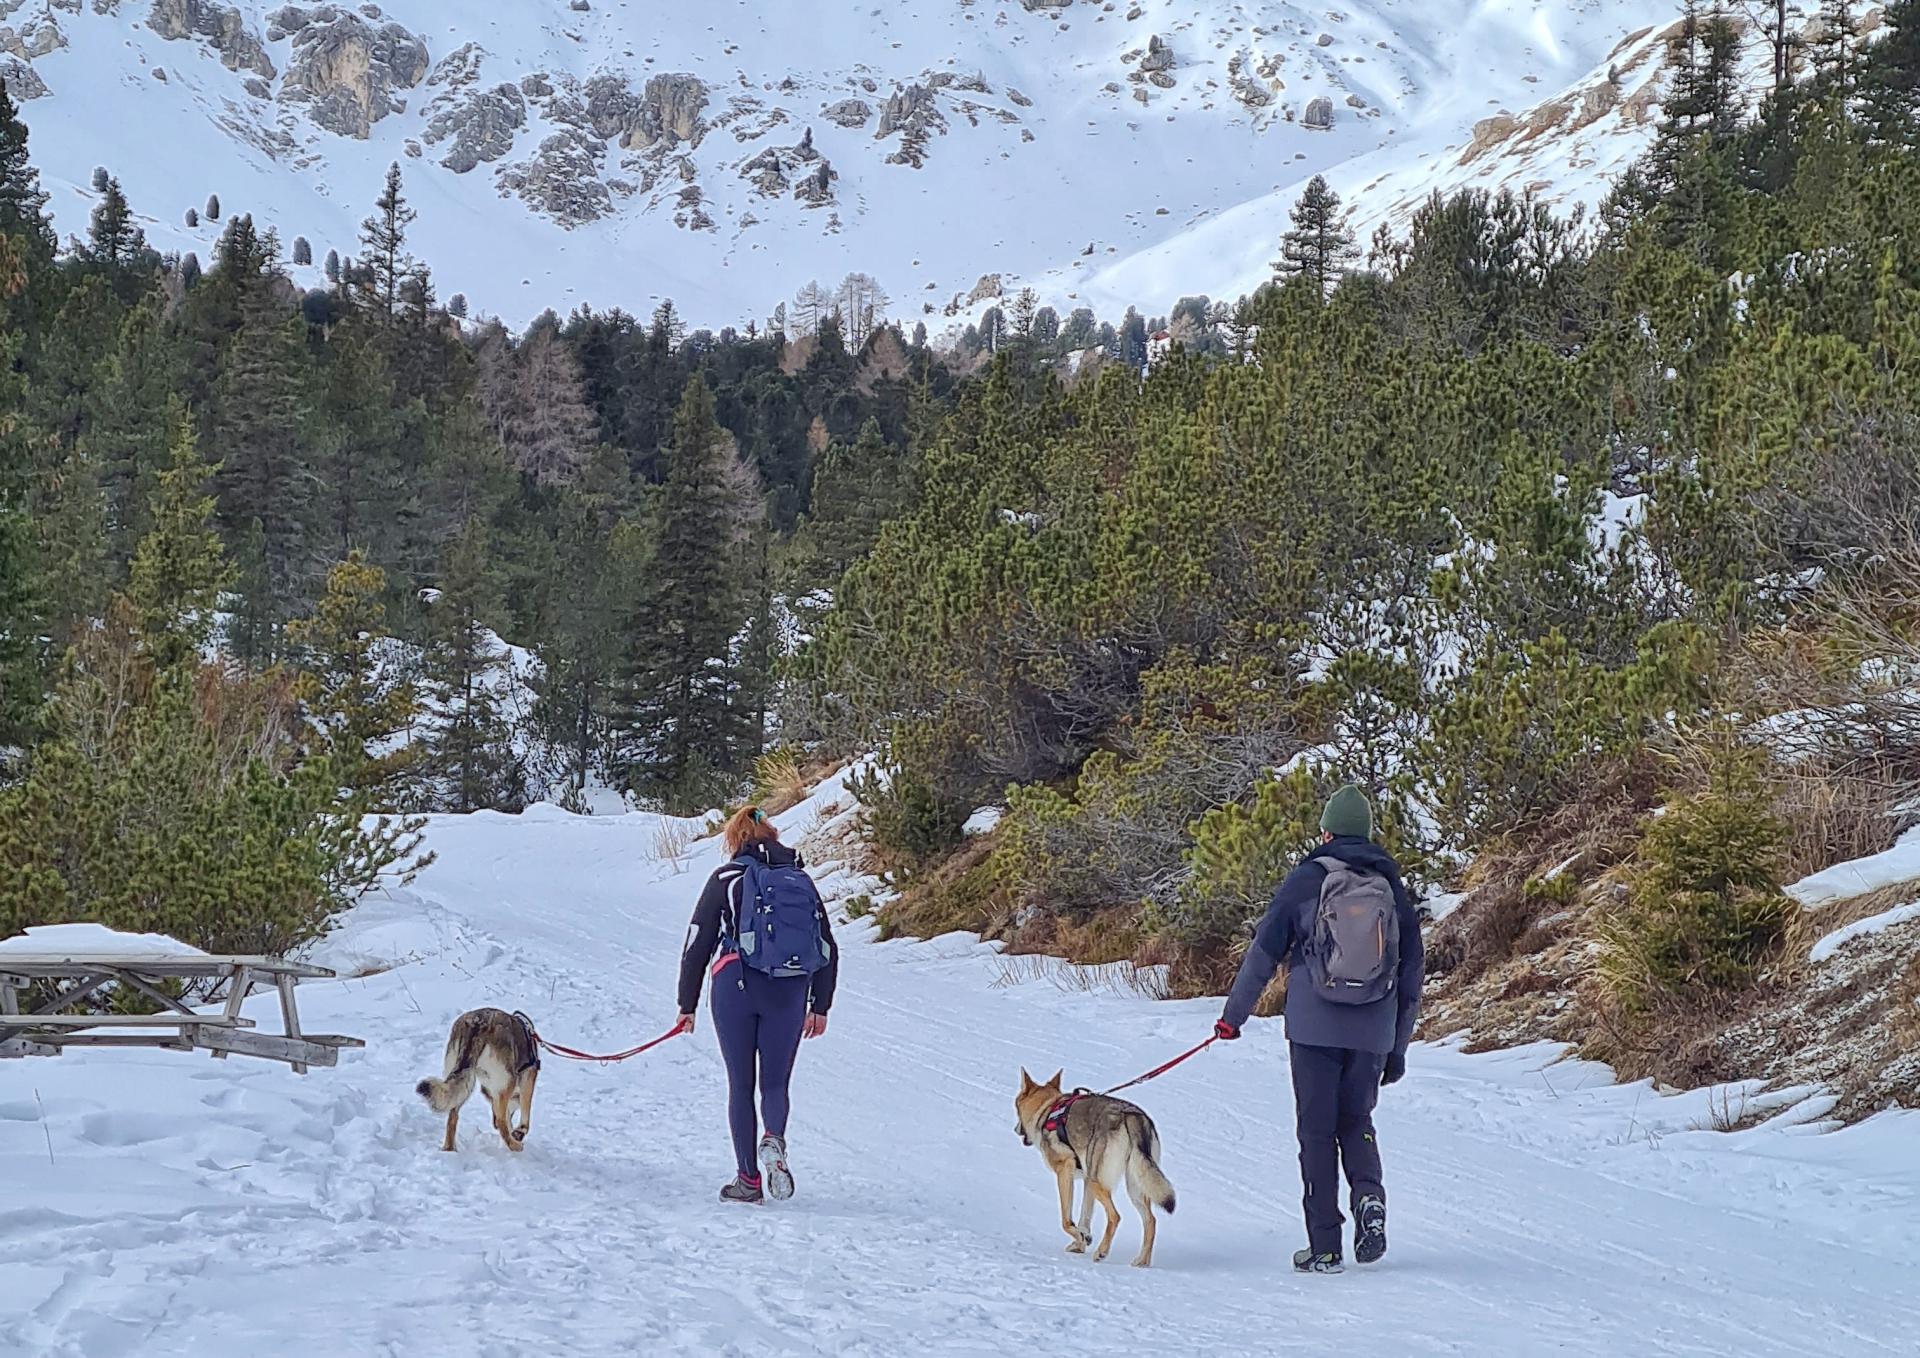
x,y
195,1206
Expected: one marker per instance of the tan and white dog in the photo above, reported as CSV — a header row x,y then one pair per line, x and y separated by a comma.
x,y
1102,1141
498,1051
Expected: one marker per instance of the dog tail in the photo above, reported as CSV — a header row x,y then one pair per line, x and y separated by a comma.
x,y
1146,1183
463,1052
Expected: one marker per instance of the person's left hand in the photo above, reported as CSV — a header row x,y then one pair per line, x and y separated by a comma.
x,y
815,1025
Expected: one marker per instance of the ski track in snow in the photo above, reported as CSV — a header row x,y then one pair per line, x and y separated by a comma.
x,y
194,1206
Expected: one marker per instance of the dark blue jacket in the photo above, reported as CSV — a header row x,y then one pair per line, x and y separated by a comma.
x,y
1385,1026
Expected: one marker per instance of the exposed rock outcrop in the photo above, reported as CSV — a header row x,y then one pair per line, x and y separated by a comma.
x,y
221,27
562,179
799,170
911,112
1159,56
849,113
669,113
481,125
23,82
347,70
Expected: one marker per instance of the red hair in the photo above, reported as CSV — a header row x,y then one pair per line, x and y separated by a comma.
x,y
748,826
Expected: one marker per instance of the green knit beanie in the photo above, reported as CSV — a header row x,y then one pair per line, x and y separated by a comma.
x,y
1348,813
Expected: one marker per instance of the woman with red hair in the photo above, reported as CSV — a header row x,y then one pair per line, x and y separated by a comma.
x,y
772,986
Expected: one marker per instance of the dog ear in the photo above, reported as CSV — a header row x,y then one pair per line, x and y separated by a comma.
x,y
1054,1083
1026,1080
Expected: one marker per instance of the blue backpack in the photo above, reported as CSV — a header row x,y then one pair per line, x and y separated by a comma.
x,y
778,931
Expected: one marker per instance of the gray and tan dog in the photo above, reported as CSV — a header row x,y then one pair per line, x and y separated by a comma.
x,y
1103,1141
497,1050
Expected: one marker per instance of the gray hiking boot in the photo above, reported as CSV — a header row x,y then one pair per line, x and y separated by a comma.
x,y
1306,1261
773,1167
742,1189
1369,1231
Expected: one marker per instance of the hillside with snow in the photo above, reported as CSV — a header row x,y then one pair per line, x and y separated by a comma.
x,y
616,152
161,1203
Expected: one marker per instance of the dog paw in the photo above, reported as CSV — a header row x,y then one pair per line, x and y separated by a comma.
x,y
1098,1255
1143,1263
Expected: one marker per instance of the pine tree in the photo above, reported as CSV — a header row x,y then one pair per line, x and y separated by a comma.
x,y
114,240
179,569
383,245
333,266
20,617
1320,246
23,204
679,741
192,218
70,523
856,490
1890,78
129,424
1836,52
600,560
302,252
259,413
457,305
467,754
190,270
213,207
356,693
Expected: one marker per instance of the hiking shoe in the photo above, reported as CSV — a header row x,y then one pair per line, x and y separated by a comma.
x,y
1369,1231
742,1189
1306,1261
773,1167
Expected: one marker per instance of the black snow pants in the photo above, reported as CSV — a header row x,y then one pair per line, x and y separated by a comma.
x,y
1334,1091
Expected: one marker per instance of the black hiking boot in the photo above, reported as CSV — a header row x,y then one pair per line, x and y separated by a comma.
x,y
1369,1231
742,1189
1306,1261
773,1167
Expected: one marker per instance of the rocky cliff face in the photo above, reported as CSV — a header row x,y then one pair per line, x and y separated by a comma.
x,y
221,27
349,72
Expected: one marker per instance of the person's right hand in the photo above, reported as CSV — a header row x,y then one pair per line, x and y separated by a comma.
x,y
683,1024
1225,1031
1396,1068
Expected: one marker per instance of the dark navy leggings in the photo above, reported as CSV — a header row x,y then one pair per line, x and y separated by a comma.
x,y
758,1020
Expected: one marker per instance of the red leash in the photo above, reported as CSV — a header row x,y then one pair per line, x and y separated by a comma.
x,y
1158,1071
556,1049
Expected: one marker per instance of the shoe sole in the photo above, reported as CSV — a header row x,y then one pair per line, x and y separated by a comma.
x,y
1320,1268
773,1168
1370,1247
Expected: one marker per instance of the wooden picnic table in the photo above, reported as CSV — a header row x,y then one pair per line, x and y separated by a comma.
x,y
52,1026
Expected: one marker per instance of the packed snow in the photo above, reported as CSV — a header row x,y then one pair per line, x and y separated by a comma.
x,y
1873,924
91,940
1858,876
166,1203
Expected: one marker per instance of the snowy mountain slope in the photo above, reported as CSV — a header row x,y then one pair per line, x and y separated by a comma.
x,y
194,1206
618,152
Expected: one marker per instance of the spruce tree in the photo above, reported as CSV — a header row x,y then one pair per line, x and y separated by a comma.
x,y
359,697
23,204
258,418
383,247
1890,78
179,569
128,421
679,742
20,620
1320,246
115,241
467,755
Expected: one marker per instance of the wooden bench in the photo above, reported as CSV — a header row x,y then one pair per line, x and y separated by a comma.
x,y
52,1027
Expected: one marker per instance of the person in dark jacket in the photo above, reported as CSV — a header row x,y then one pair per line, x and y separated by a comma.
x,y
1341,1054
760,1019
